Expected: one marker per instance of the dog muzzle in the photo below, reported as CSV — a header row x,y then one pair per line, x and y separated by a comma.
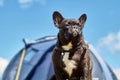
x,y
76,31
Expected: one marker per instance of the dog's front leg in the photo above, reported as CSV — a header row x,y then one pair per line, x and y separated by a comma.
x,y
59,74
53,77
90,70
86,72
57,65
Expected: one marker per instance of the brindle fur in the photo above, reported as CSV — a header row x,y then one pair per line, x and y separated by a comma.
x,y
78,47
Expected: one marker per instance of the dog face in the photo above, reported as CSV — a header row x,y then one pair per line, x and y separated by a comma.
x,y
69,28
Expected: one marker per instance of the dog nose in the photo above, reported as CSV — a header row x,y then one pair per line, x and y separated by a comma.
x,y
75,28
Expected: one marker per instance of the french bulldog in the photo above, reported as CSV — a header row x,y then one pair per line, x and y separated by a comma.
x,y
71,58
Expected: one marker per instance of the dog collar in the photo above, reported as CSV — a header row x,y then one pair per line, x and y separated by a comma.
x,y
83,47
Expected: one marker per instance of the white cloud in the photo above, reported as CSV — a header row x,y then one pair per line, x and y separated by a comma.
x,y
3,64
25,3
117,72
111,42
1,3
42,2
29,3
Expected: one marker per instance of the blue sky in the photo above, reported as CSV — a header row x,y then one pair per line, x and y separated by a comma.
x,y
32,19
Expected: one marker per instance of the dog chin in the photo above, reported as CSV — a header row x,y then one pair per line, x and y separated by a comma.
x,y
75,34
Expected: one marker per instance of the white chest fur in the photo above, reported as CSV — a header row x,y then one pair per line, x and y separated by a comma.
x,y
69,64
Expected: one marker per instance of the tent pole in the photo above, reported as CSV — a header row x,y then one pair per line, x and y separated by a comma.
x,y
20,64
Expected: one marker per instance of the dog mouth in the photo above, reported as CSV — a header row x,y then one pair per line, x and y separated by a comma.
x,y
72,35
76,33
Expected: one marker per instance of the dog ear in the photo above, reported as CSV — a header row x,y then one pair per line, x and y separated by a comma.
x,y
83,19
57,18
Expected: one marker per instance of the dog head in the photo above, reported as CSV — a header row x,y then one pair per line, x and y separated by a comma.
x,y
69,28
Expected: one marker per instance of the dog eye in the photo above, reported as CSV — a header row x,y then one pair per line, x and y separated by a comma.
x,y
67,24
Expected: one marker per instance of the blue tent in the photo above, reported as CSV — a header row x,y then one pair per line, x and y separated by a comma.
x,y
37,64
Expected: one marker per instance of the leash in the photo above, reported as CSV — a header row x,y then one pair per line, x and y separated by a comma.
x,y
85,48
20,64
83,54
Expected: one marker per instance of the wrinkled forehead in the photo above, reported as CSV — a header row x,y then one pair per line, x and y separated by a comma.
x,y
72,21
